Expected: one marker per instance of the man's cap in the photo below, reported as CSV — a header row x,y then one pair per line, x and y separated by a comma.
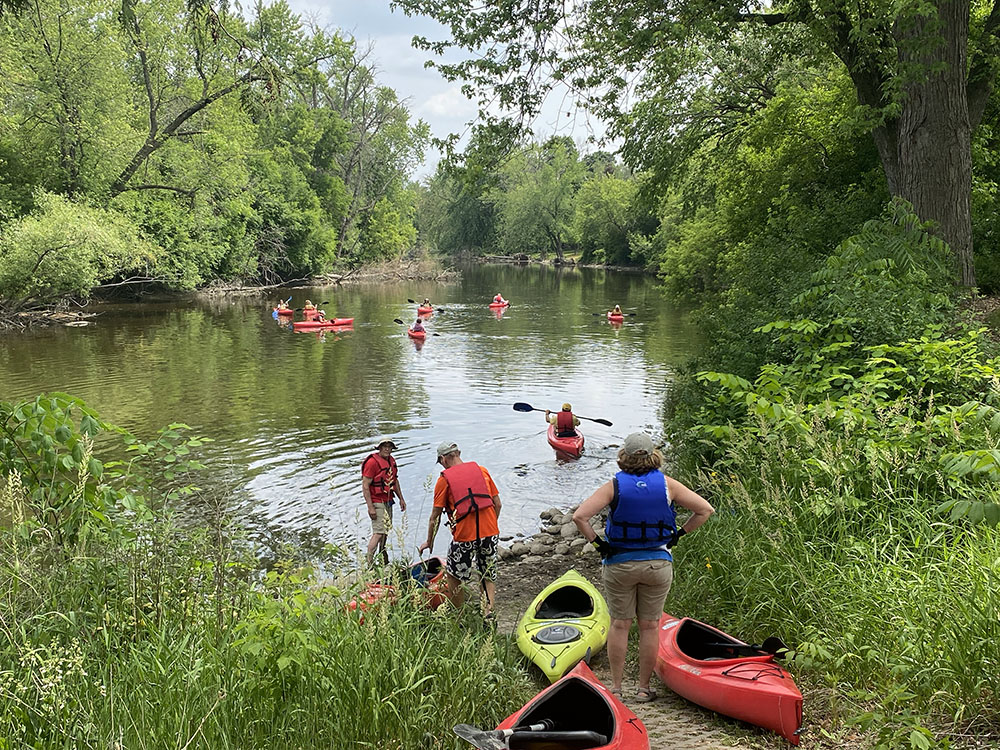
x,y
383,441
567,407
638,444
445,448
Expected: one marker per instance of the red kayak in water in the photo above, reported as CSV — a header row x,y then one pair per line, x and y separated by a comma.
x,y
615,318
317,325
416,334
499,305
425,310
721,673
571,445
284,311
577,711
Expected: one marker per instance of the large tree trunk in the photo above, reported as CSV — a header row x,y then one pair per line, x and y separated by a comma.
x,y
932,166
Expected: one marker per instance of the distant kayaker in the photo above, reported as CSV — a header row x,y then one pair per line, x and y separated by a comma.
x,y
282,304
379,484
308,306
499,299
418,326
638,568
617,310
564,421
466,492
426,303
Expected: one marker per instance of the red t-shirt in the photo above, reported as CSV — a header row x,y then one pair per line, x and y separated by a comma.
x,y
372,469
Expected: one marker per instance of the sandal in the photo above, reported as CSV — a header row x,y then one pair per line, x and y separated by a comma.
x,y
617,692
645,695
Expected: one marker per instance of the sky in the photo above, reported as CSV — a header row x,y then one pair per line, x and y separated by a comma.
x,y
430,97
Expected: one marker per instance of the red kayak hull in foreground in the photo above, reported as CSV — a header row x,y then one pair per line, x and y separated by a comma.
x,y
578,702
421,335
571,445
754,689
315,325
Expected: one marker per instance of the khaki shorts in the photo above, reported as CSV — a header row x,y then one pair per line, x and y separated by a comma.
x,y
637,587
383,518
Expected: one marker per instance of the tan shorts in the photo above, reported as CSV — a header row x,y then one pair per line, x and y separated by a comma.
x,y
383,518
637,587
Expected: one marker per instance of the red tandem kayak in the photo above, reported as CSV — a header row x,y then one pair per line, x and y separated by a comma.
x,y
416,334
310,314
284,311
427,575
616,318
316,325
499,305
425,310
721,673
571,445
581,712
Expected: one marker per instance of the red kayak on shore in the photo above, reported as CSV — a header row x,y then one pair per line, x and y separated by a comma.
x,y
421,335
577,712
427,576
571,445
317,325
721,673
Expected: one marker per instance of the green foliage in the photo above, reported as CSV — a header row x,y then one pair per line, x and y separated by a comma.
x,y
65,249
148,627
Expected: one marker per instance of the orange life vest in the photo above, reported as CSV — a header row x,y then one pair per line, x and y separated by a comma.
x,y
564,424
469,491
383,481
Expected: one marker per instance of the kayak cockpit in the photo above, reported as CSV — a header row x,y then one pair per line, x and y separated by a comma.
x,y
703,643
564,603
579,715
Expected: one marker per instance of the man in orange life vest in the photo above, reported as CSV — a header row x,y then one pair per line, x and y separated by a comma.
x,y
467,493
378,483
564,421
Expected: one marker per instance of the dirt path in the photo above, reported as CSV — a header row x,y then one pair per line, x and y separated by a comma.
x,y
672,722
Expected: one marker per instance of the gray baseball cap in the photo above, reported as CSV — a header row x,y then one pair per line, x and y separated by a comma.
x,y
637,444
445,448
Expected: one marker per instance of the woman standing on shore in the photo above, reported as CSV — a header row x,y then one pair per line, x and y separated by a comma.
x,y
638,567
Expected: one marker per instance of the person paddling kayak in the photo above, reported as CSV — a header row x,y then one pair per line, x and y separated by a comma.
x,y
564,421
418,326
499,300
308,305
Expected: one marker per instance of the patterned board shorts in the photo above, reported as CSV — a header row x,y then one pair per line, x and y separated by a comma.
x,y
465,557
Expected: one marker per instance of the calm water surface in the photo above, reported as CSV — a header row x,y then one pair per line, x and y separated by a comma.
x,y
294,414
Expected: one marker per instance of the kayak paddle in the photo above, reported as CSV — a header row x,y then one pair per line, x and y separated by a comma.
x,y
414,302
495,739
397,320
521,406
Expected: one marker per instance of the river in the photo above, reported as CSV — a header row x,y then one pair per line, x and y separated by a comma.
x,y
292,415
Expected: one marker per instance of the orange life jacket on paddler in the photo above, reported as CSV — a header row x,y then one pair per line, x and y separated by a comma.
x,y
564,424
383,481
469,491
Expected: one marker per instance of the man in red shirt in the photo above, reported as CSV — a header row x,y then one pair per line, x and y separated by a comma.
x,y
466,492
378,483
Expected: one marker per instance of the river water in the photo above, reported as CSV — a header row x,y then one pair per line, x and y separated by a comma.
x,y
293,415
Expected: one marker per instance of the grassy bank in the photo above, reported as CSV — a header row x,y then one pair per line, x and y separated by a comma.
x,y
121,627
857,482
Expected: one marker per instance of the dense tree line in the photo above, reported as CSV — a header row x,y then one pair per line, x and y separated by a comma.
x,y
183,143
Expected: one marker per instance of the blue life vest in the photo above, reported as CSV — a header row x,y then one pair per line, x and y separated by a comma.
x,y
642,515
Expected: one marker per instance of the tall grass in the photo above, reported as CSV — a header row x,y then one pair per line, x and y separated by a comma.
x,y
138,632
834,541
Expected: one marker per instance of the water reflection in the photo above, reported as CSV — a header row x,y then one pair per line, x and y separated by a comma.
x,y
294,414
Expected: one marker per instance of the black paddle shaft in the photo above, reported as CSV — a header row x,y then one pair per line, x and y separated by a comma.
x,y
521,406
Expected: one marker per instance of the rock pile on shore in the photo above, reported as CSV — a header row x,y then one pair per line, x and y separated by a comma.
x,y
558,537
